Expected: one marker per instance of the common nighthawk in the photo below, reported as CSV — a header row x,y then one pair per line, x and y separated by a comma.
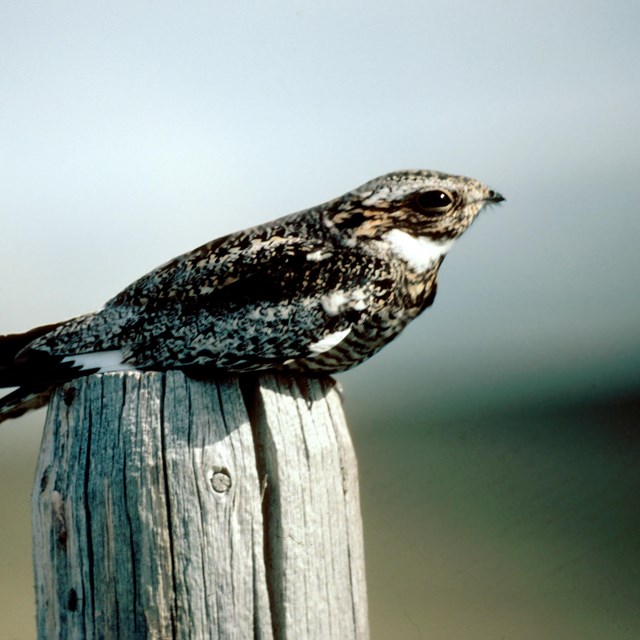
x,y
318,291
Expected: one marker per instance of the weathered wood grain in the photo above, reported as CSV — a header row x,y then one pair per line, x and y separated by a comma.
x,y
166,507
314,528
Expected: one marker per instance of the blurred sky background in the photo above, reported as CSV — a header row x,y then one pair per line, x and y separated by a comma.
x,y
498,436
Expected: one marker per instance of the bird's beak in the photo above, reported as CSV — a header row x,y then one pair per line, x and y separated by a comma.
x,y
495,197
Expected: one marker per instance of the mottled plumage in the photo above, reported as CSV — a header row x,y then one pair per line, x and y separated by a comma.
x,y
317,291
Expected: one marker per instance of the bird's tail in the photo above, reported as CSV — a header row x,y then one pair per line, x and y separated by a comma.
x,y
13,374
22,400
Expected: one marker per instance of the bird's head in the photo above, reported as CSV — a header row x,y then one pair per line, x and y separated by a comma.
x,y
422,204
414,216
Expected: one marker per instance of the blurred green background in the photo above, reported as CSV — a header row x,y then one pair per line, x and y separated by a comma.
x,y
498,436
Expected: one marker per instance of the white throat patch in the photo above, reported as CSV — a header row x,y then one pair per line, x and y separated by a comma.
x,y
420,253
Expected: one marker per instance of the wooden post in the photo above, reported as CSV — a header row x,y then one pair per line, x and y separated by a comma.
x,y
166,507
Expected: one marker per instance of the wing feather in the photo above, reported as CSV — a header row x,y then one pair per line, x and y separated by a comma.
x,y
240,314
252,300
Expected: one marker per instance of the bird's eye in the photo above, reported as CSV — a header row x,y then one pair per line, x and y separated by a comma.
x,y
434,202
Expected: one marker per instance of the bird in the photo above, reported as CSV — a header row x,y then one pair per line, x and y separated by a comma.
x,y
315,292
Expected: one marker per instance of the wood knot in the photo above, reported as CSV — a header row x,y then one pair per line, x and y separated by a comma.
x,y
221,480
44,480
72,600
59,523
69,395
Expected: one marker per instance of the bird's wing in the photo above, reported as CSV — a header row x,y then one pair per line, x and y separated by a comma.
x,y
247,304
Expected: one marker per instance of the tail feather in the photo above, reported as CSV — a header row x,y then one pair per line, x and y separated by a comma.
x,y
23,400
12,374
36,371
13,343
